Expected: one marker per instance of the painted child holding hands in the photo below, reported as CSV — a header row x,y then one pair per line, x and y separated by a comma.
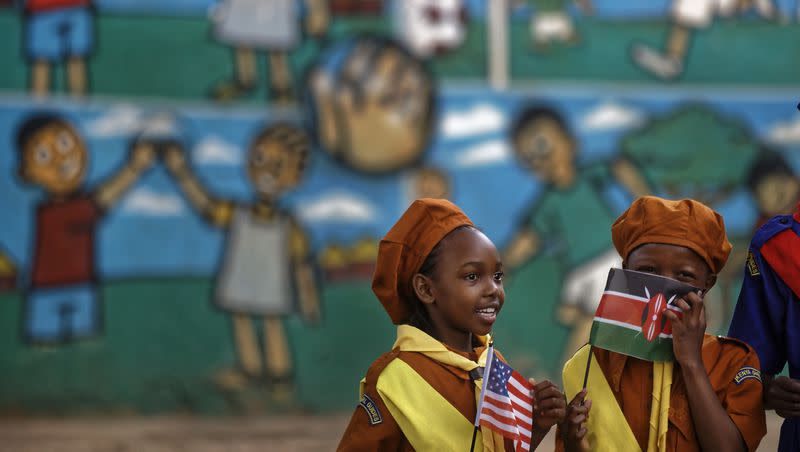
x,y
441,281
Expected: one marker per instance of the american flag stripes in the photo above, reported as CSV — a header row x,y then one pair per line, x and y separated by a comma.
x,y
506,403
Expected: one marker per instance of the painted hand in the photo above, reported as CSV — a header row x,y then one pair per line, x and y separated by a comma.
x,y
174,158
376,115
142,156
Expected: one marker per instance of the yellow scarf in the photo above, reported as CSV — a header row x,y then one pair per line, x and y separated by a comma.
x,y
440,426
608,430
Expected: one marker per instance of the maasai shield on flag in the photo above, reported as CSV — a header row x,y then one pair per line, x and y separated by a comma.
x,y
506,403
630,318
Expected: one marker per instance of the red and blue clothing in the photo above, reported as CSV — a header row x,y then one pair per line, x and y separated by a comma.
x,y
767,315
62,302
58,29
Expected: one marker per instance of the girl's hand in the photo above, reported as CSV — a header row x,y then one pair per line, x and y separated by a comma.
x,y
574,426
549,405
688,329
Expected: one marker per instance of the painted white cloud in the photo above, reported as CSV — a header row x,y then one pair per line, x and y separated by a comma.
x,y
118,121
484,154
785,132
144,201
212,150
159,125
611,115
125,119
337,206
480,119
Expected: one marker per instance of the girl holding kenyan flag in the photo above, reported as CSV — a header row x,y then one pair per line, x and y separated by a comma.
x,y
651,379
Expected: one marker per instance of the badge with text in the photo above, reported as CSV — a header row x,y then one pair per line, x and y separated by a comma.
x,y
373,413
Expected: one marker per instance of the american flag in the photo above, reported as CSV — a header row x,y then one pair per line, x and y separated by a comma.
x,y
506,404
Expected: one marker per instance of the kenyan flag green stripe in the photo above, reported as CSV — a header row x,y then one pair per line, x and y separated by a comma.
x,y
630,342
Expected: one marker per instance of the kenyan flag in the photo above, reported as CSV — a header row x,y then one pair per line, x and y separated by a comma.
x,y
630,319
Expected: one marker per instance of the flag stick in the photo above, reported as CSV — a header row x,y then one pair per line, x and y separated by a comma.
x,y
588,363
474,434
487,368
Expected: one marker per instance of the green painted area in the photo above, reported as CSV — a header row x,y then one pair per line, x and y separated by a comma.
x,y
176,57
165,346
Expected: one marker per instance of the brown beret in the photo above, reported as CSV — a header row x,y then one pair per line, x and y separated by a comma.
x,y
687,223
405,247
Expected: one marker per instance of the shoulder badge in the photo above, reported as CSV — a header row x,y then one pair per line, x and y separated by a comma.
x,y
752,267
373,414
747,372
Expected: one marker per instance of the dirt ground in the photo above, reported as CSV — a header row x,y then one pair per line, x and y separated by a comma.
x,y
178,434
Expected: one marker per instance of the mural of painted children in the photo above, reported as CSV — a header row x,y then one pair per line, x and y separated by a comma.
x,y
57,31
272,26
774,186
564,221
62,303
551,22
688,16
373,108
267,261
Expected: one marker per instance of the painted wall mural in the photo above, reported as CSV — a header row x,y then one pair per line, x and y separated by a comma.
x,y
194,190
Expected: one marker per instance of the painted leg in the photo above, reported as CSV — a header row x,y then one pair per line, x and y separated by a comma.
x,y
280,77
666,66
246,344
40,78
244,79
245,66
76,76
276,349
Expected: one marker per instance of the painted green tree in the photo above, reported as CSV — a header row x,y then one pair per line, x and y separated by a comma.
x,y
694,152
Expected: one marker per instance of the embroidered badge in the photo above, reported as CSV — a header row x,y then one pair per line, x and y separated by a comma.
x,y
745,373
372,410
751,265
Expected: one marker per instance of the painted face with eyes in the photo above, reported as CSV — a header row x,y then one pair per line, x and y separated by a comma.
x,y
544,147
273,167
672,261
55,158
466,287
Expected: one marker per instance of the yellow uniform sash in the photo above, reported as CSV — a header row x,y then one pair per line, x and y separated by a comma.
x,y
427,419
607,428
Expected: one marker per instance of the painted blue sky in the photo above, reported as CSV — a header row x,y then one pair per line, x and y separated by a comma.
x,y
153,231
477,8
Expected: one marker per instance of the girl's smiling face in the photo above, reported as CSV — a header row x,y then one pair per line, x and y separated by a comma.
x,y
464,293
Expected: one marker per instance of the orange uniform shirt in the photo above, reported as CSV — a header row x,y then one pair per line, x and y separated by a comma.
x,y
631,381
365,433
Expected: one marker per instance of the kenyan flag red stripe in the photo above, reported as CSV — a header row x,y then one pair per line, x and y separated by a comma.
x,y
625,309
630,317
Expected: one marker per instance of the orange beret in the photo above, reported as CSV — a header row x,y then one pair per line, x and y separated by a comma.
x,y
405,247
687,223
